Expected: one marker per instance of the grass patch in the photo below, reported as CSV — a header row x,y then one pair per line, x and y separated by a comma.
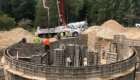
x,y
32,30
132,28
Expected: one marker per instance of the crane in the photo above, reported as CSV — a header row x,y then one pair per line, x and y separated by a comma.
x,y
61,12
74,28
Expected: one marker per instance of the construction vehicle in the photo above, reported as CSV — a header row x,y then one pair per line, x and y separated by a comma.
x,y
137,25
74,29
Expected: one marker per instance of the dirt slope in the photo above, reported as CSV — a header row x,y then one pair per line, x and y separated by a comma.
x,y
91,31
13,36
10,37
105,33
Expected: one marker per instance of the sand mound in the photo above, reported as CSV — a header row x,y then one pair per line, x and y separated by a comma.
x,y
20,31
112,24
10,37
103,34
132,33
110,28
107,33
92,38
90,29
91,32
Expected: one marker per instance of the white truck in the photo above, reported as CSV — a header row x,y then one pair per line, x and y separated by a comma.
x,y
137,25
74,30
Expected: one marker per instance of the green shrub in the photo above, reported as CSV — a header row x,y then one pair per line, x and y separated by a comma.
x,y
6,23
25,23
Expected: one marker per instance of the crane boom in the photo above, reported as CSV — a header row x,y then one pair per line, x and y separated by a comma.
x,y
62,10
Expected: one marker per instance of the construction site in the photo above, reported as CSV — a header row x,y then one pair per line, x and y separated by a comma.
x,y
74,58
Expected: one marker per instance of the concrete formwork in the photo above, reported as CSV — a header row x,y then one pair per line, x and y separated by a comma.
x,y
2,76
97,47
59,72
111,57
58,57
26,50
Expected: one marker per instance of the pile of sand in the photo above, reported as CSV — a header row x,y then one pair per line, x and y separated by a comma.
x,y
105,33
112,24
132,33
10,37
110,28
91,31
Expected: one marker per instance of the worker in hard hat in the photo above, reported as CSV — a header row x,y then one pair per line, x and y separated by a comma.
x,y
103,53
23,40
36,39
47,44
62,34
66,34
58,36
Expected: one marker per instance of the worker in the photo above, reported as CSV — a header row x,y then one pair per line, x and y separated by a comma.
x,y
58,36
68,61
66,34
62,34
47,44
36,39
23,40
43,63
103,53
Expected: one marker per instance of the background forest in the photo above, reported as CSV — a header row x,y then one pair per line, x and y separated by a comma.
x,y
29,14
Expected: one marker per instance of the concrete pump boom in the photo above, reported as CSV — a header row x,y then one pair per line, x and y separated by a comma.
x,y
62,12
74,29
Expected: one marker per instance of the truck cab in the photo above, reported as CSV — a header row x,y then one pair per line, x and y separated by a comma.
x,y
75,29
137,25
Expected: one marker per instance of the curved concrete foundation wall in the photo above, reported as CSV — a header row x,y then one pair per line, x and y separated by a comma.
x,y
126,77
30,70
2,76
11,76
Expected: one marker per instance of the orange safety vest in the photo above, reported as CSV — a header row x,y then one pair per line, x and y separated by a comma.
x,y
47,42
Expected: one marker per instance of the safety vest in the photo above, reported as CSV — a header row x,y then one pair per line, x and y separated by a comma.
x,y
36,40
66,33
47,42
62,35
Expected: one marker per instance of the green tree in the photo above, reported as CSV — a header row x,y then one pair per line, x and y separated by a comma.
x,y
6,23
96,12
74,10
23,9
41,17
4,4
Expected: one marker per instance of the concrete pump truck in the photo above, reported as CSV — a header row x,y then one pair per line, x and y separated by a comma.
x,y
74,29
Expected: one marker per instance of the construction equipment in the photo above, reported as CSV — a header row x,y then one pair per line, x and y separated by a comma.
x,y
137,25
74,29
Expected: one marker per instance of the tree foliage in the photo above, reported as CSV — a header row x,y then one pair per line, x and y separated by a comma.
x,y
96,12
41,15
23,9
6,23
